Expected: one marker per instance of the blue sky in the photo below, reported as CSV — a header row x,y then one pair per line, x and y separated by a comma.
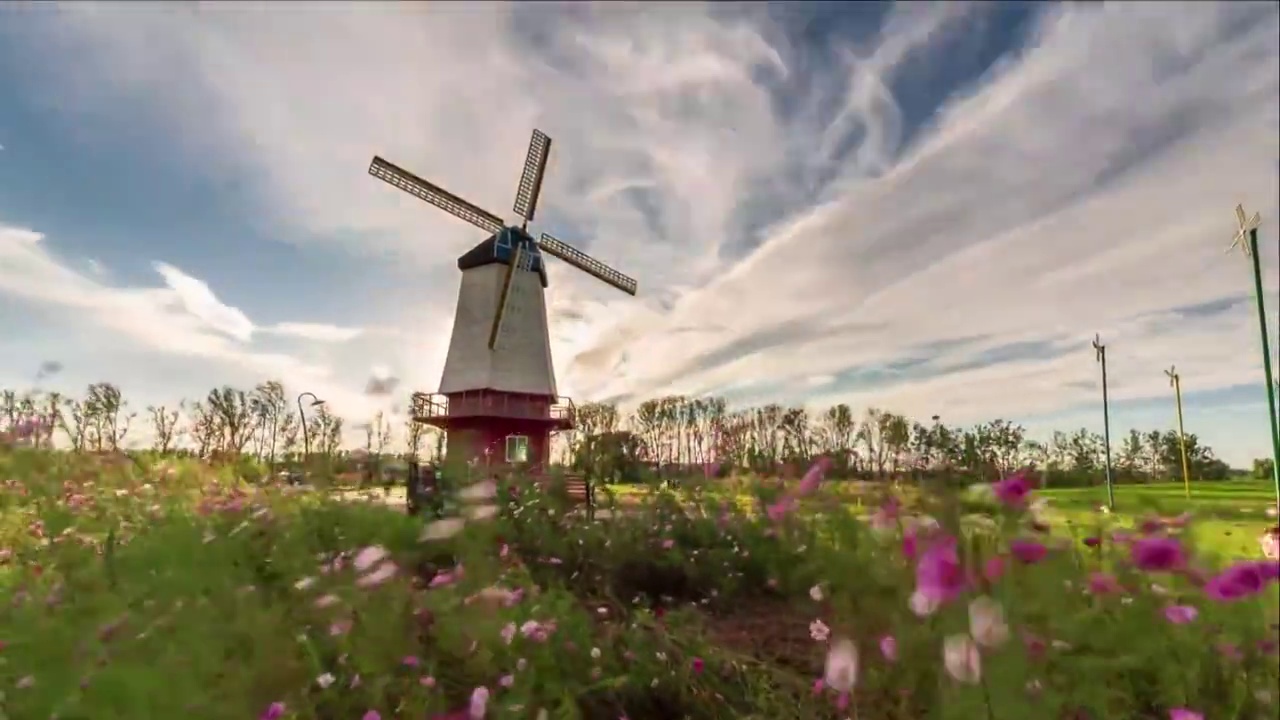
x,y
928,208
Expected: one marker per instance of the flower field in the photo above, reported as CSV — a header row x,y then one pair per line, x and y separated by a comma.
x,y
162,589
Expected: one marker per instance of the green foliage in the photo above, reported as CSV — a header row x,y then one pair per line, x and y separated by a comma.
x,y
157,588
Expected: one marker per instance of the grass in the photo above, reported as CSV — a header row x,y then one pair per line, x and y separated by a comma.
x,y
176,590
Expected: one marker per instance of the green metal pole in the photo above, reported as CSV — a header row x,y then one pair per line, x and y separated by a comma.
x,y
1266,362
1101,351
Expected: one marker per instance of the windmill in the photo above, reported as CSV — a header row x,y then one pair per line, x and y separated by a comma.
x,y
497,399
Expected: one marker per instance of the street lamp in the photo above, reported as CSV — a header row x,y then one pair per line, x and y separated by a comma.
x,y
306,439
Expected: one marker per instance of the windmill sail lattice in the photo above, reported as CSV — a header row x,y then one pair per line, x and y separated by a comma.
x,y
514,295
498,380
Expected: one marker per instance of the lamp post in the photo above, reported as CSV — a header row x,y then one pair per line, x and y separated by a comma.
x,y
1100,351
306,439
1175,381
1247,239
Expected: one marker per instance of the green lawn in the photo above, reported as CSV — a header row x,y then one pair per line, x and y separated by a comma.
x,y
1229,516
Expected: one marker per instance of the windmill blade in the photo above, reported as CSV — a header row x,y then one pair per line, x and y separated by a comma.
x,y
535,164
438,196
504,300
586,263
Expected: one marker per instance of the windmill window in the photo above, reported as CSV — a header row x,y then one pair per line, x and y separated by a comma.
x,y
517,448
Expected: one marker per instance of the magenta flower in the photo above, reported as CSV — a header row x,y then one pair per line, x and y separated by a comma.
x,y
1157,554
1185,714
910,545
1027,552
1180,614
1013,491
813,477
1238,581
939,576
274,711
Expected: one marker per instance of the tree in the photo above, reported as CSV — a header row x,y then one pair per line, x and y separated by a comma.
x,y
234,417
1262,468
414,433
164,423
108,415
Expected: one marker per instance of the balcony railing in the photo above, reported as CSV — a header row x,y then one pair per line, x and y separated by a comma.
x,y
427,407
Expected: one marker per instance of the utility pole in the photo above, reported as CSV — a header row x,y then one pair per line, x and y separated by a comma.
x,y
1247,239
1100,351
1175,381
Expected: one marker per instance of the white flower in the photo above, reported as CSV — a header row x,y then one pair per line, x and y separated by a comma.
x,y
479,491
922,605
441,529
841,672
325,680
819,631
986,622
481,512
815,592
383,573
304,583
960,657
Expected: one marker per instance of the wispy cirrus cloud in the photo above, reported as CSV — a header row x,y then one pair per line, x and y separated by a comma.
x,y
930,208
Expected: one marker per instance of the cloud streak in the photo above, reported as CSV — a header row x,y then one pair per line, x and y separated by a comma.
x,y
797,218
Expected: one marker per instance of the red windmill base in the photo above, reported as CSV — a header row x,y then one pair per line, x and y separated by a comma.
x,y
501,429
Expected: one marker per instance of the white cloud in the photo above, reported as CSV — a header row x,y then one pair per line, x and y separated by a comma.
x,y
183,319
199,301
1080,185
319,332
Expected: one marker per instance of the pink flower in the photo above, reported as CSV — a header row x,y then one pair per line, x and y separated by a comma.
x,y
939,576
372,715
1013,491
1156,554
1028,552
479,704
1180,614
274,711
993,568
813,477
1103,584
1185,714
889,648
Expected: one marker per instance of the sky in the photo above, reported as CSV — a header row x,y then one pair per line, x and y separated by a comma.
x,y
925,208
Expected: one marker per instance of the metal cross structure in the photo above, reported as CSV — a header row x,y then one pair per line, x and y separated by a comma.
x,y
1247,239
525,253
1175,382
1100,352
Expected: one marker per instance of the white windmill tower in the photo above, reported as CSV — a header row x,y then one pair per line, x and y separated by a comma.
x,y
497,397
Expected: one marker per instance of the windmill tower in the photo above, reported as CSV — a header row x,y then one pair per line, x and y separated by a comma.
x,y
497,400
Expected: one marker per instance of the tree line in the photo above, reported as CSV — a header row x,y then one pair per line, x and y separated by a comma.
x,y
668,434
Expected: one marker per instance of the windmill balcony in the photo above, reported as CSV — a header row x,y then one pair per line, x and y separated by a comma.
x,y
434,408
